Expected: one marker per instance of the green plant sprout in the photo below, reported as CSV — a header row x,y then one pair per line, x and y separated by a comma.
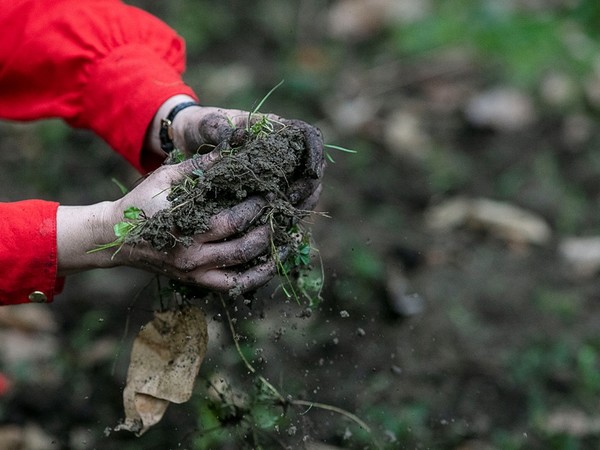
x,y
301,280
175,157
134,218
264,125
337,147
250,128
120,185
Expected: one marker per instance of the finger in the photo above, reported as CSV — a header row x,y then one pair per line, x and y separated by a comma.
x,y
214,128
314,143
192,166
248,280
311,201
234,252
301,189
204,134
187,263
234,220
199,162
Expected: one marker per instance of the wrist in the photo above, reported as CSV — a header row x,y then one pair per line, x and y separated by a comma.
x,y
153,142
80,229
167,134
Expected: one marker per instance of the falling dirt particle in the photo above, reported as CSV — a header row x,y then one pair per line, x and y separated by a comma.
x,y
396,370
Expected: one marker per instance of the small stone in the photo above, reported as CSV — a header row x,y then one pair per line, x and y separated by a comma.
x,y
404,135
581,255
502,109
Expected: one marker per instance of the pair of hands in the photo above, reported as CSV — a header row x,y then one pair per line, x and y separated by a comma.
x,y
214,258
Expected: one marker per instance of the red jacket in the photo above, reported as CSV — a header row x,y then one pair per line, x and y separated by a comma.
x,y
98,64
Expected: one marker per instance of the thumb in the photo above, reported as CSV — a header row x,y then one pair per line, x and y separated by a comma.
x,y
211,129
198,162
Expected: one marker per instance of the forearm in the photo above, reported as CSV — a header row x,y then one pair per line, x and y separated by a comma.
x,y
213,260
152,143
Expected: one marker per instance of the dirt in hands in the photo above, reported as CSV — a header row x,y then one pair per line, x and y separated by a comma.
x,y
264,163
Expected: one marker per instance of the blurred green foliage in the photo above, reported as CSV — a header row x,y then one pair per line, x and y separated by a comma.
x,y
548,367
524,44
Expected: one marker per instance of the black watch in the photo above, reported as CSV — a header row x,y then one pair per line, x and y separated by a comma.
x,y
166,127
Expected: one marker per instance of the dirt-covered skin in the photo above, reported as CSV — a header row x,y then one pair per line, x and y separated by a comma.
x,y
253,164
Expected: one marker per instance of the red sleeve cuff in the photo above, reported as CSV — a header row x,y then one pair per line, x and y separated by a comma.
x,y
28,253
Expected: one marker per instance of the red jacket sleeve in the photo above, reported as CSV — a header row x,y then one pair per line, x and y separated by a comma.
x,y
28,258
98,64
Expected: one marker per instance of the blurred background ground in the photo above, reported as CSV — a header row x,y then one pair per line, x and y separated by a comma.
x,y
461,301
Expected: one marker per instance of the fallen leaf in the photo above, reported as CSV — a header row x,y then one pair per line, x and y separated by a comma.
x,y
503,220
165,360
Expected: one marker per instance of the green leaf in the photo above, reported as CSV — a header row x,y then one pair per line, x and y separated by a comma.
x,y
303,260
177,156
132,213
265,416
123,228
302,257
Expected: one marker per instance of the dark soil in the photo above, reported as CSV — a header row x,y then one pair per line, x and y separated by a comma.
x,y
262,164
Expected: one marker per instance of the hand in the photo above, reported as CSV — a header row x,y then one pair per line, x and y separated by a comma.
x,y
211,261
200,129
204,127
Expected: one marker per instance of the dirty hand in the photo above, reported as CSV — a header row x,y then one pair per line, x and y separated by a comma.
x,y
199,129
209,262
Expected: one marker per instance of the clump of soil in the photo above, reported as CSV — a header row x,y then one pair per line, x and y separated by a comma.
x,y
263,164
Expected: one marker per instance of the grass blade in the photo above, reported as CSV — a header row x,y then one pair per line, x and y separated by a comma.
x,y
264,99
